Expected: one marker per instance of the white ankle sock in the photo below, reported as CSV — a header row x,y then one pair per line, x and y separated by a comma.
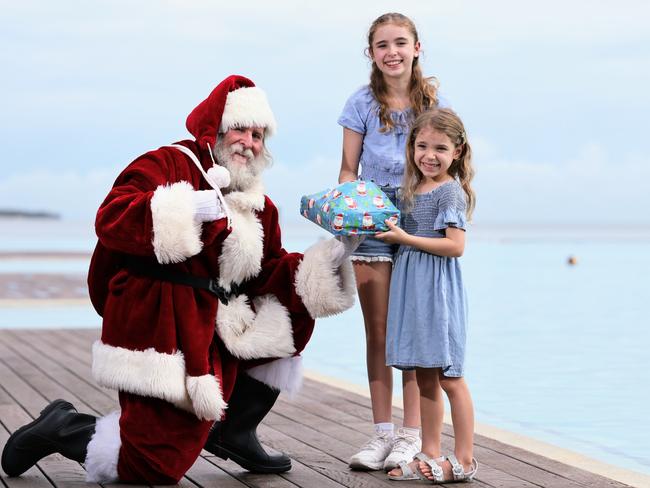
x,y
385,427
414,431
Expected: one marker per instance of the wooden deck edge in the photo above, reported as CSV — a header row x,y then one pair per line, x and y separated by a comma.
x,y
535,446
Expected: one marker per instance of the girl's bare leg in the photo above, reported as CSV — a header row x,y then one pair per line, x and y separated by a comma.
x,y
432,407
462,417
373,280
411,398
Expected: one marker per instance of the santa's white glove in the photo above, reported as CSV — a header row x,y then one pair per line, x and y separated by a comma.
x,y
343,247
207,206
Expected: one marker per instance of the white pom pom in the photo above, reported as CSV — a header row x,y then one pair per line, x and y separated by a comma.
x,y
219,176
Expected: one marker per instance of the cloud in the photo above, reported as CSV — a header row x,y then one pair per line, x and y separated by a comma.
x,y
87,83
592,185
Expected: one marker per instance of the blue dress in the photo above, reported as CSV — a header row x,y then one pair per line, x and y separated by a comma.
x,y
427,308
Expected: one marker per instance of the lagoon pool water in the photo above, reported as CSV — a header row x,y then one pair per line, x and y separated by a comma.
x,y
555,352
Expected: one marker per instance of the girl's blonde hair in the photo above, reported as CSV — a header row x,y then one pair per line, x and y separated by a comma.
x,y
423,92
446,121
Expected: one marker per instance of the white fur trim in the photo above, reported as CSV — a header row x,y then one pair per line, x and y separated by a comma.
x,y
248,200
206,396
241,255
283,374
324,290
248,107
146,373
103,450
265,334
176,234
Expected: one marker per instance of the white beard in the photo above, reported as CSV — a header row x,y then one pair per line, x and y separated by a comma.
x,y
242,176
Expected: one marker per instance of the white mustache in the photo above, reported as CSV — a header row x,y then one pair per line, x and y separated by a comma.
x,y
238,148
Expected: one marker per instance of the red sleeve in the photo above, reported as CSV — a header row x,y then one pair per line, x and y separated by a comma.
x,y
150,210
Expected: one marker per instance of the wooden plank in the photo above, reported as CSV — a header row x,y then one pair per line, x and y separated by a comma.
x,y
204,473
77,377
578,475
321,461
63,384
44,380
68,342
253,480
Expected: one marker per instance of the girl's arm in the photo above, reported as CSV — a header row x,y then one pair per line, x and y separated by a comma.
x,y
452,245
352,142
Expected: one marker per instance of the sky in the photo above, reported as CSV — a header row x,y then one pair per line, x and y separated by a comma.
x,y
554,95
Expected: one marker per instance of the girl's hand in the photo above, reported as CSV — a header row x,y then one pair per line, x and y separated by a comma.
x,y
394,234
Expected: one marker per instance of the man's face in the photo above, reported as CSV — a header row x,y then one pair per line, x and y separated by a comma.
x,y
241,151
249,138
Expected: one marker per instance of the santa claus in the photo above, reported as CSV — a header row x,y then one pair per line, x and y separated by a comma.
x,y
204,313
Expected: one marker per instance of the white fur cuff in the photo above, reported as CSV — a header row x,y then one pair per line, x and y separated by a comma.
x,y
324,290
248,335
176,234
103,450
147,373
282,374
206,397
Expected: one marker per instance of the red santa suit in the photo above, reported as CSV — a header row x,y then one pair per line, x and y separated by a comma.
x,y
173,351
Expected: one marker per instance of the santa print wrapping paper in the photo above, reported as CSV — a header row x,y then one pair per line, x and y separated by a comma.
x,y
352,208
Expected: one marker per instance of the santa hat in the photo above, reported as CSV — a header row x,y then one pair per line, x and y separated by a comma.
x,y
235,102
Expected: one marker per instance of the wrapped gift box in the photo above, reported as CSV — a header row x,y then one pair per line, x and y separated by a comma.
x,y
355,207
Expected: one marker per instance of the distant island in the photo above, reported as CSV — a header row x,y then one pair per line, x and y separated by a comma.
x,y
28,214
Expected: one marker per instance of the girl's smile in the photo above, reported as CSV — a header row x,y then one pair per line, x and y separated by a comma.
x,y
434,153
394,49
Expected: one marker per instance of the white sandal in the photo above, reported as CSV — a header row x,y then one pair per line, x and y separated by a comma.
x,y
408,473
457,470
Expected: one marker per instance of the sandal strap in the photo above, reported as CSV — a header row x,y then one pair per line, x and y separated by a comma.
x,y
472,472
456,468
423,457
406,469
436,469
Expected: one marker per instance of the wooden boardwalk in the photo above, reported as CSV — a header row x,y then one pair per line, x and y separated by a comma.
x,y
320,429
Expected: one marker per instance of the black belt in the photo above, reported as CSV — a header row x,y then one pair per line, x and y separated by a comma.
x,y
161,273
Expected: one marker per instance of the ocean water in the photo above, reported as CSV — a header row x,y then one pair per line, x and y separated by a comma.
x,y
555,352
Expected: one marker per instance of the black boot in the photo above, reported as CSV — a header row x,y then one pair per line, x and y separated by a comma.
x,y
236,437
58,429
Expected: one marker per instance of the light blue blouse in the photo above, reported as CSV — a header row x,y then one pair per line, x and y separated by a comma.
x,y
382,154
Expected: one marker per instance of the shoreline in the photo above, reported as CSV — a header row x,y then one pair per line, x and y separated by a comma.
x,y
556,453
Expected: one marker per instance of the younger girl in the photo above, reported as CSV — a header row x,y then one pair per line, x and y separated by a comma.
x,y
375,121
427,307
